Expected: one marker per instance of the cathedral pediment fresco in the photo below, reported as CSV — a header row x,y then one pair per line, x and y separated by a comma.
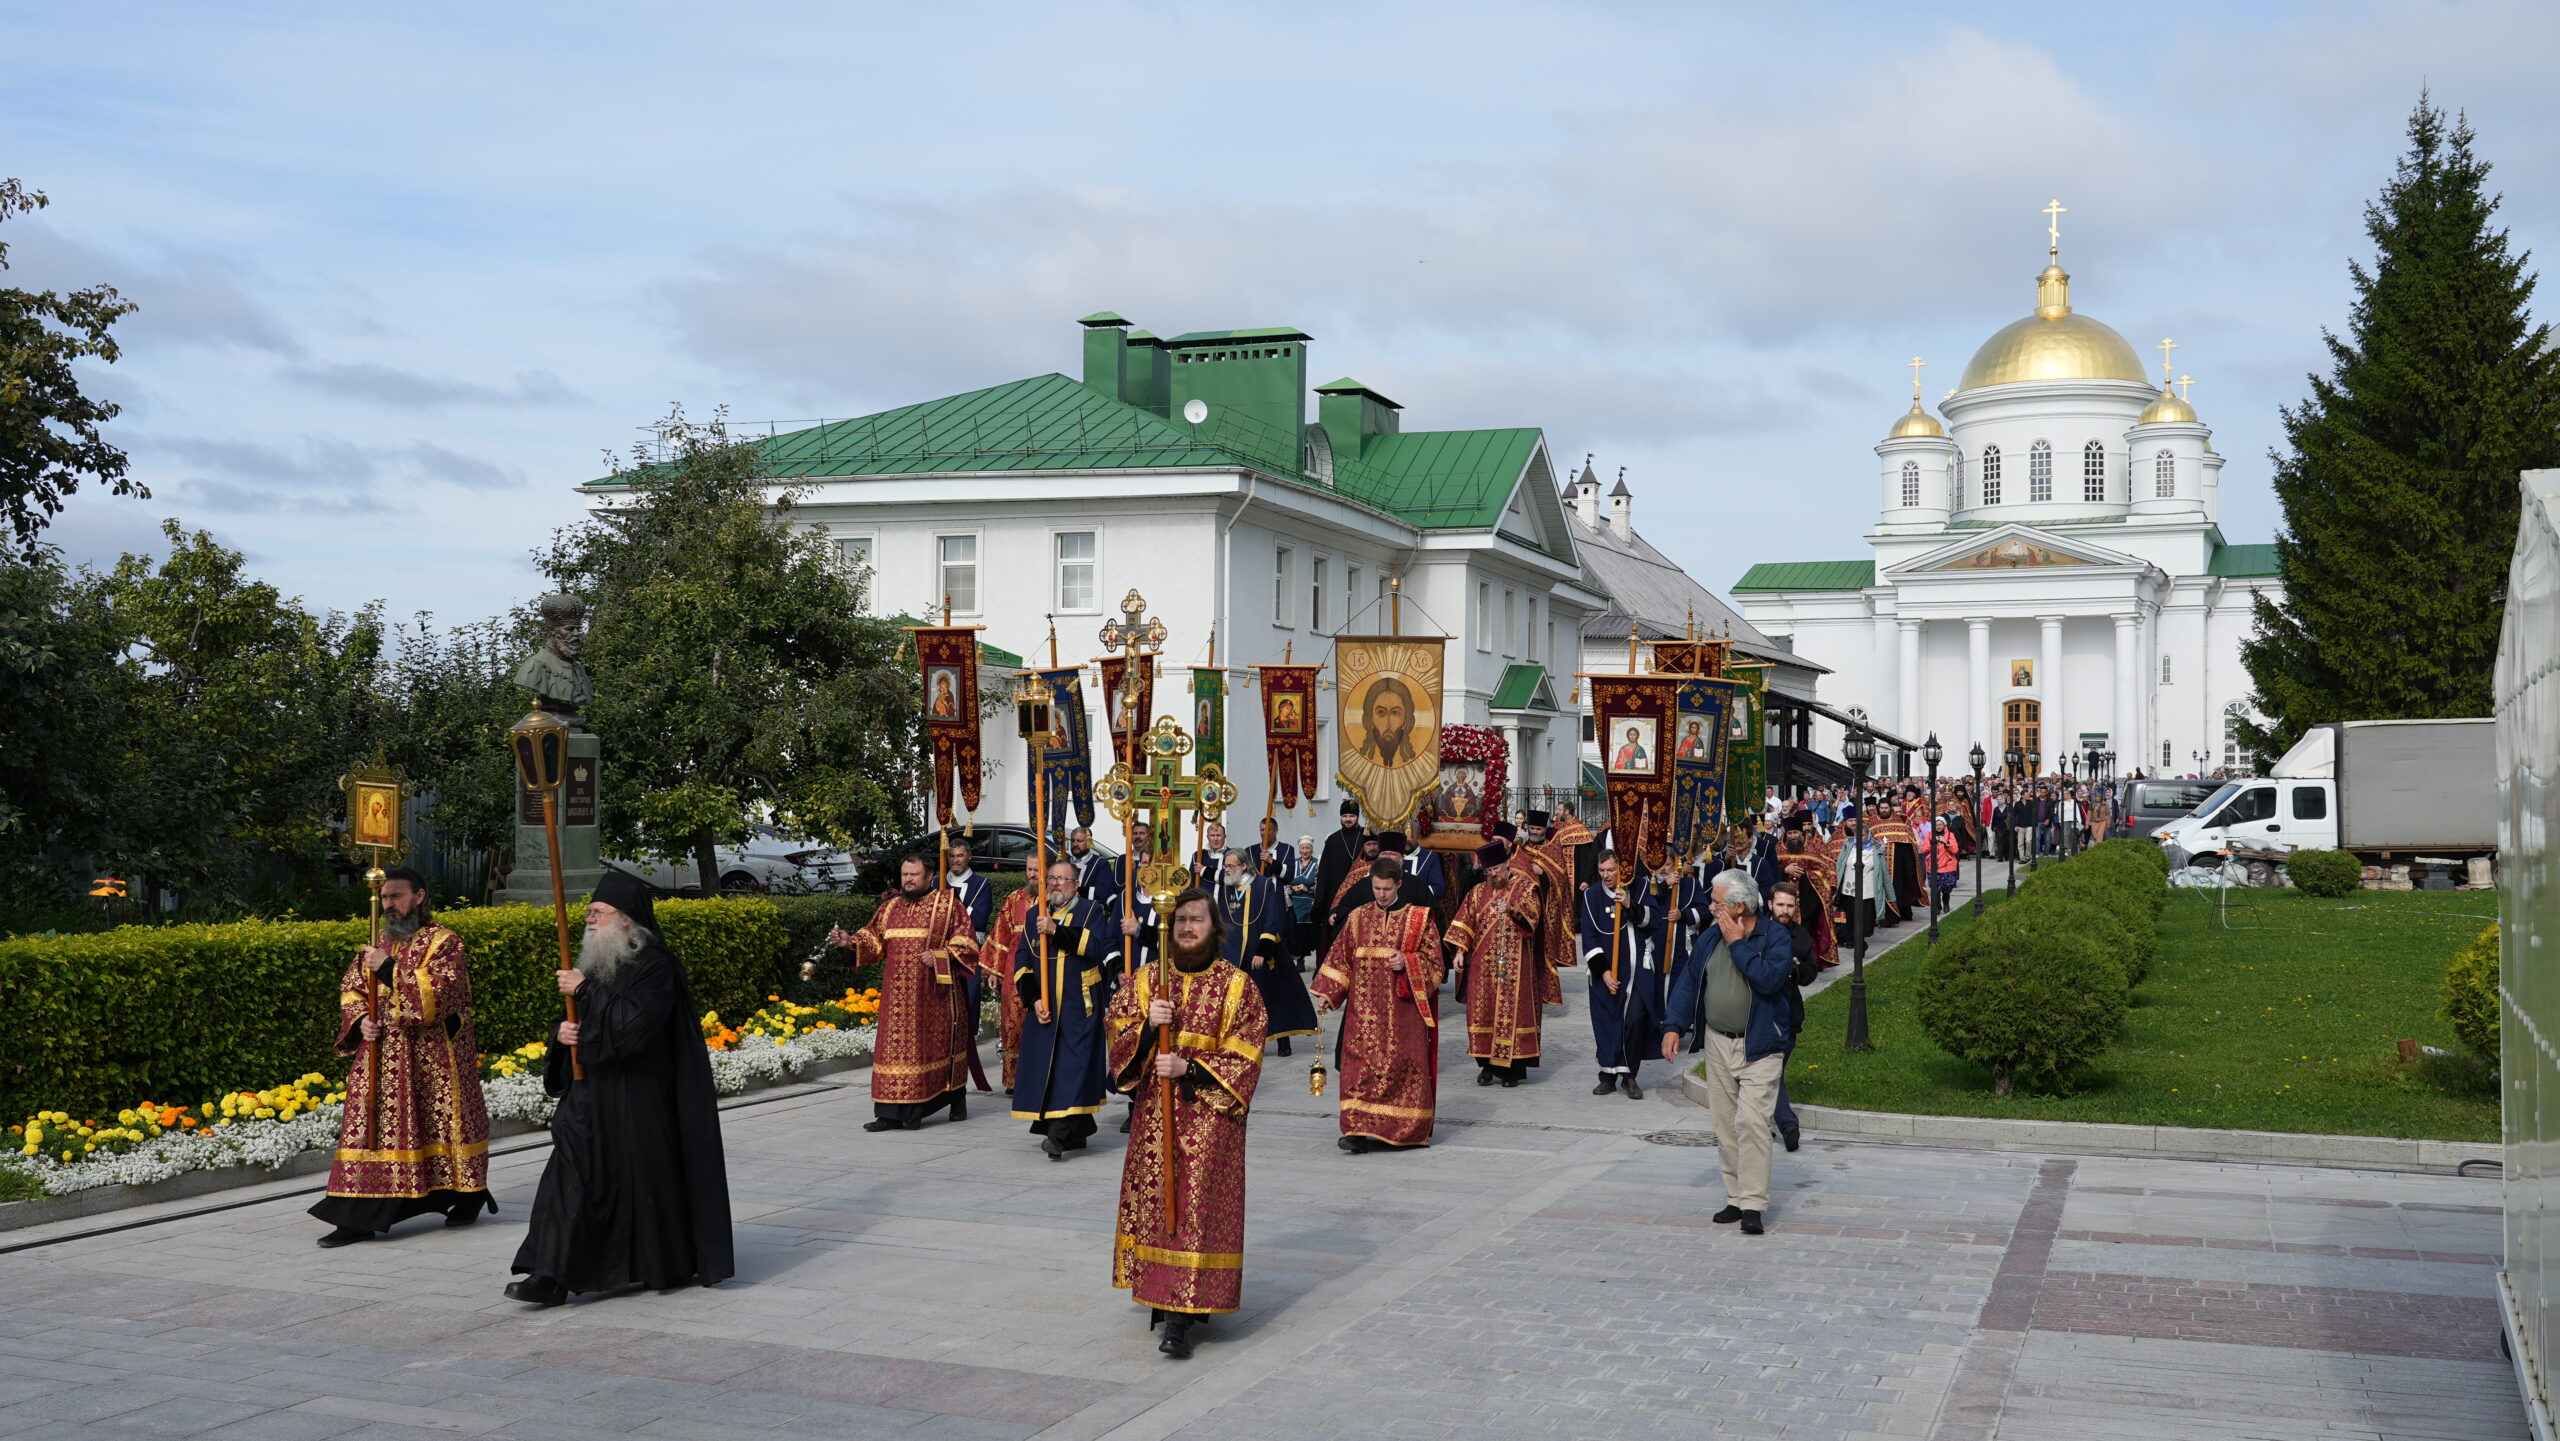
x,y
2014,553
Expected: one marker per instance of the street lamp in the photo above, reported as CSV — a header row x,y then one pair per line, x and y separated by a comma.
x,y
2017,770
1933,753
1860,751
1977,758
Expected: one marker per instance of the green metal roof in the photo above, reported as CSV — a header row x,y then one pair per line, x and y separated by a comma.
x,y
1524,687
1347,386
1228,337
1101,318
1808,575
2243,560
1439,479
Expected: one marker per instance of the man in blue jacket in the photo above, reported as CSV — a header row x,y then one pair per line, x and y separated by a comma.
x,y
1736,981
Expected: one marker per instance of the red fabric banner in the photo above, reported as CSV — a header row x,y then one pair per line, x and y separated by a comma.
x,y
1289,729
948,658
1635,715
1127,717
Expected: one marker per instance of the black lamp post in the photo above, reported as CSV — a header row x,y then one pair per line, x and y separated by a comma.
x,y
1933,753
1978,794
1860,751
2017,767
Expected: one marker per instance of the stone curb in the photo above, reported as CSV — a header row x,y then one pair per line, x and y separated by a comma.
x,y
2135,1140
98,1200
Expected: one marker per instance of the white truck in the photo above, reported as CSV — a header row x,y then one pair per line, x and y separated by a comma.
x,y
2387,790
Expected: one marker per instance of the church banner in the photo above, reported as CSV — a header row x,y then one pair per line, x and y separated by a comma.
x,y
948,657
1066,762
1634,717
1289,729
1746,775
1129,710
1691,657
1698,757
1209,716
1387,723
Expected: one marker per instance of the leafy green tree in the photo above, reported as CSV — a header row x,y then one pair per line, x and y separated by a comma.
x,y
2399,489
62,697
736,674
49,440
451,696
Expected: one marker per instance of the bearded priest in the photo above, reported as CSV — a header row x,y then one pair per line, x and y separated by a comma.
x,y
1064,968
636,1191
1195,1268
415,1137
1503,968
925,942
1384,972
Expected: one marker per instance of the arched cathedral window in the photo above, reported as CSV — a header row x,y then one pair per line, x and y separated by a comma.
x,y
2093,472
1910,484
2164,476
1991,475
2040,471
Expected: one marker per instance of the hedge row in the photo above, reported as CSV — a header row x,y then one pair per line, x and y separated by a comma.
x,y
177,1013
2038,987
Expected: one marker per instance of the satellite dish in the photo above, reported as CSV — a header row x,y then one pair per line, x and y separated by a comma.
x,y
1195,410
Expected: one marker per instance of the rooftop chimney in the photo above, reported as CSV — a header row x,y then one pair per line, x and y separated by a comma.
x,y
1106,353
1620,499
1583,493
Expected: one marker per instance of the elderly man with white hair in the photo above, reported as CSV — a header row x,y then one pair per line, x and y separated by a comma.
x,y
1736,981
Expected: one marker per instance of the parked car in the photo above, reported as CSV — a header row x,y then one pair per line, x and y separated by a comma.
x,y
1000,847
2154,804
771,860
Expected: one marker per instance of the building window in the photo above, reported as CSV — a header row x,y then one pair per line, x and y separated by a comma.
x,y
1315,593
1350,593
1281,612
2164,476
2164,668
960,573
2167,761
1533,629
1991,475
1075,570
2040,471
1484,616
1910,484
2093,472
1588,731
1551,637
855,551
1510,619
2230,742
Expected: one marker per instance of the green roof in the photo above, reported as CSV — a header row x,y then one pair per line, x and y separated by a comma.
x,y
1808,575
1438,479
1224,337
2243,560
1524,687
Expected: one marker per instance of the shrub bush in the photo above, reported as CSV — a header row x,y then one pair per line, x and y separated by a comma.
x,y
2324,873
2471,995
2131,893
2150,853
179,1013
2030,991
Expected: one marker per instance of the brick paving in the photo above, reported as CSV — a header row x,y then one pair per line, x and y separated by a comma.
x,y
1543,1271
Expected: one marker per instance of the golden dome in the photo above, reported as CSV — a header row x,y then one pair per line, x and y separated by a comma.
x,y
2053,344
2167,408
1917,422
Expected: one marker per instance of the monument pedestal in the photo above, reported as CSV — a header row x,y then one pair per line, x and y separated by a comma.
x,y
581,841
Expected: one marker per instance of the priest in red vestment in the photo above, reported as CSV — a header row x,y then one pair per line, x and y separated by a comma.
x,y
1384,974
1551,849
1503,969
415,1136
1197,1268
1004,934
923,940
1814,865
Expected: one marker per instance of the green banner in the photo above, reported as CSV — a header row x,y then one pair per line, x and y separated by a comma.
x,y
1209,718
1746,790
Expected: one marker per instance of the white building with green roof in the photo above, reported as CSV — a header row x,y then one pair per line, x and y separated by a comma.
x,y
2047,568
1188,469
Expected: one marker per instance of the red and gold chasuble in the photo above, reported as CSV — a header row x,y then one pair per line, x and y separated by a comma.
x,y
995,962
1816,872
426,1129
1390,1022
921,1051
1218,1022
1497,932
1553,859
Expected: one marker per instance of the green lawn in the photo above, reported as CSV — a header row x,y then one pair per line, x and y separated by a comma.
x,y
2286,1027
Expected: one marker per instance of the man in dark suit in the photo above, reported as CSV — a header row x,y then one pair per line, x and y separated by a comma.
x,y
1340,857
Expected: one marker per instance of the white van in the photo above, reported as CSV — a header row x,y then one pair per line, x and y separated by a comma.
x,y
2381,789
2261,814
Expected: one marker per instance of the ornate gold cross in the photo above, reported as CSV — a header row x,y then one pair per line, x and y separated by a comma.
x,y
1163,792
1916,363
2166,369
2053,213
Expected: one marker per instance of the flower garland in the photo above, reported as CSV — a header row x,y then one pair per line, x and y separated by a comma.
x,y
1481,744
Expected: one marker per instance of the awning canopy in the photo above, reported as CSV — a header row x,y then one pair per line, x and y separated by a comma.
x,y
1883,737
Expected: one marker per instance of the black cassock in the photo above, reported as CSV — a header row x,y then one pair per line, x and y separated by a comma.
x,y
1258,920
636,1189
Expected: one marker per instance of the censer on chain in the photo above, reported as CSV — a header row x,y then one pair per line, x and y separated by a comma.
x,y
1315,1077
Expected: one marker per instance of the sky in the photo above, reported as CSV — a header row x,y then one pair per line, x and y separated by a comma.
x,y
407,274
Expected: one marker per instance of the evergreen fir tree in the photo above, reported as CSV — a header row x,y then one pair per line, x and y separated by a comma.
x,y
2400,492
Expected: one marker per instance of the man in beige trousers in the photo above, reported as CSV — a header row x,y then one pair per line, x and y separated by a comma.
x,y
1735,983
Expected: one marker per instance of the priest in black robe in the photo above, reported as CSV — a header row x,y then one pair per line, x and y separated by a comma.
x,y
1258,921
636,1191
1334,865
1065,968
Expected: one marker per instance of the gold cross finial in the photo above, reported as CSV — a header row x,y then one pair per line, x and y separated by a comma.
x,y
2166,369
1916,363
2184,381
2053,213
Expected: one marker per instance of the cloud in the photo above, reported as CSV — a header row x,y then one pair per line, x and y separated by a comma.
x,y
388,385
316,473
183,295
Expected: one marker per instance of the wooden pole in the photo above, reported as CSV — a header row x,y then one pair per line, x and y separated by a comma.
x,y
1040,857
1164,1084
560,910
373,1013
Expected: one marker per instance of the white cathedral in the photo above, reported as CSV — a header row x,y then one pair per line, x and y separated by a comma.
x,y
2048,566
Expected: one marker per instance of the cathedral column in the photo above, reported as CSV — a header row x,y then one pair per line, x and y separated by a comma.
x,y
2049,678
2124,736
1906,716
1882,688
1977,655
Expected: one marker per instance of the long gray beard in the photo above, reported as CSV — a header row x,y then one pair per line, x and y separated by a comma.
x,y
604,952
401,928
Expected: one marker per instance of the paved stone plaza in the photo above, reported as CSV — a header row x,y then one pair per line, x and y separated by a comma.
x,y
1545,1271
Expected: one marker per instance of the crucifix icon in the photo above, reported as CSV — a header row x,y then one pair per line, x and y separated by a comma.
x,y
2166,369
2053,213
1163,792
1916,363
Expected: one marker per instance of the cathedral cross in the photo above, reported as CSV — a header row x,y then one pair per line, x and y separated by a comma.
x,y
2165,346
2053,213
1916,363
1163,792
2185,382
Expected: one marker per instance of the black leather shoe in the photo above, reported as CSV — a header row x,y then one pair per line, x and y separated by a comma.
x,y
1345,1143
1634,1091
1177,1337
1729,1215
880,1123
960,1107
1484,1078
536,1291
343,1237
1050,1145
1608,1085
1124,1122
1509,1082
1284,1045
1751,1223
456,1220
1791,1138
